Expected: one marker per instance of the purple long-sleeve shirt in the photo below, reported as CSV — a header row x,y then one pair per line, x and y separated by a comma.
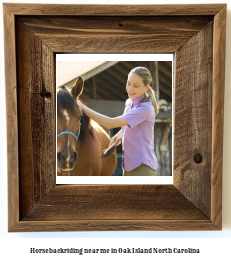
x,y
138,136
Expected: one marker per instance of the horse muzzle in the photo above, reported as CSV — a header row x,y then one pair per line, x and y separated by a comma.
x,y
67,164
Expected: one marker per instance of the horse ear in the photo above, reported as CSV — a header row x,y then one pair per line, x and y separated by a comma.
x,y
77,88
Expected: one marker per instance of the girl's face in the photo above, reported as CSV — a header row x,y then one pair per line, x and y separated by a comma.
x,y
135,86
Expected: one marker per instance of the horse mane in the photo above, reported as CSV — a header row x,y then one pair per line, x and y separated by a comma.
x,y
67,104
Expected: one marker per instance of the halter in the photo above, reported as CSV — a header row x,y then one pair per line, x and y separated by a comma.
x,y
75,137
68,132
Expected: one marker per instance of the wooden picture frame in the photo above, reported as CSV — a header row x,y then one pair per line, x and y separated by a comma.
x,y
34,33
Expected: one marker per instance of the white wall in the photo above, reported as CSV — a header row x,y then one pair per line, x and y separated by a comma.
x,y
218,240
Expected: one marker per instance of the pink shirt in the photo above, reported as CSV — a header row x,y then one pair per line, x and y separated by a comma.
x,y
138,136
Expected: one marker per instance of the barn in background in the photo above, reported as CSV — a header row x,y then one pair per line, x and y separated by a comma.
x,y
105,92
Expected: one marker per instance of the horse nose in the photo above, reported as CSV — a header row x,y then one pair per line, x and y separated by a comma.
x,y
59,157
73,157
67,162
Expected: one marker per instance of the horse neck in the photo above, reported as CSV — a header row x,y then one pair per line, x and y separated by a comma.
x,y
86,128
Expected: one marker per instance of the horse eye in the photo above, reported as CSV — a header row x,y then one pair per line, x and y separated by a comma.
x,y
80,118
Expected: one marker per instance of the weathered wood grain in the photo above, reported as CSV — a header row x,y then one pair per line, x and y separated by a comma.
x,y
108,202
115,34
114,225
36,105
193,113
48,146
28,49
218,114
11,117
108,207
114,10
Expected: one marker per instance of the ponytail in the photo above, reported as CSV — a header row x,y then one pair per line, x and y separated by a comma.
x,y
151,96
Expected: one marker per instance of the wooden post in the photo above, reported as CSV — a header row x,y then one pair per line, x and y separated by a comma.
x,y
93,94
156,80
164,151
155,73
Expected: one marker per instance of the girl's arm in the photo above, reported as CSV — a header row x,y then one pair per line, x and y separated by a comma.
x,y
103,120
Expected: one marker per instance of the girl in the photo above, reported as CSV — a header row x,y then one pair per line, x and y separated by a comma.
x,y
137,122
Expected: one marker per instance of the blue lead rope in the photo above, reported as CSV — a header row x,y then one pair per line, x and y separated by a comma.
x,y
68,132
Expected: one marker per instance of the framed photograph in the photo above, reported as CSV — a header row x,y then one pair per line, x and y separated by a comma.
x,y
34,34
104,91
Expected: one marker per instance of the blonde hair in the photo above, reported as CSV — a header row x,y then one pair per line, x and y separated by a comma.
x,y
146,76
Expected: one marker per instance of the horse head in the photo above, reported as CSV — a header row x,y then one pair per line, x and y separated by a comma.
x,y
68,125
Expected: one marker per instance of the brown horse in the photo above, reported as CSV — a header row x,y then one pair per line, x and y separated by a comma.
x,y
80,140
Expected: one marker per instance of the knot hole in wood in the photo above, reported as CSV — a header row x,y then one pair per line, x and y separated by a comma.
x,y
45,94
198,158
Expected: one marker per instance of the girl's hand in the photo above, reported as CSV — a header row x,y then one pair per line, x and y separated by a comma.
x,y
116,139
